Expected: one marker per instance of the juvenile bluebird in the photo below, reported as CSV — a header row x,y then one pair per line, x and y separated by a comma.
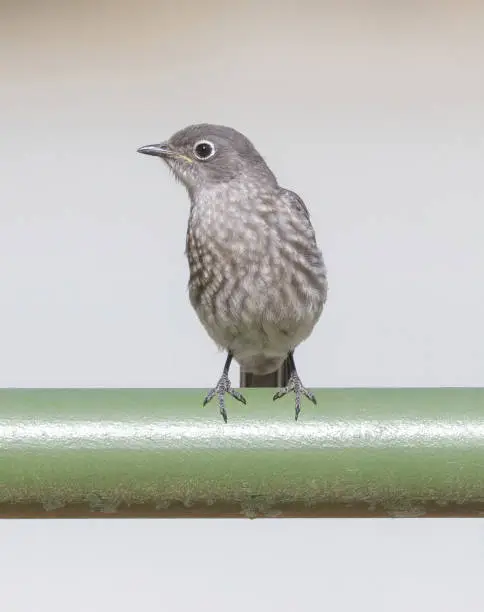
x,y
257,277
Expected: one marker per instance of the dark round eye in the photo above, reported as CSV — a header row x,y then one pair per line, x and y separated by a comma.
x,y
204,149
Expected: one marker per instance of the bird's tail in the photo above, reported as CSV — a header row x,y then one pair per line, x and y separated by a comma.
x,y
273,372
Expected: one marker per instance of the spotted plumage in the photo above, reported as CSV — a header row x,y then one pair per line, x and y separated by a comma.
x,y
257,277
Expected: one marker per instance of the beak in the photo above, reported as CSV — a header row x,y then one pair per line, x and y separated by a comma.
x,y
160,150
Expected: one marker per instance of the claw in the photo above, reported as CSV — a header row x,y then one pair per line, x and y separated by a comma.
x,y
209,396
223,412
296,386
237,396
223,386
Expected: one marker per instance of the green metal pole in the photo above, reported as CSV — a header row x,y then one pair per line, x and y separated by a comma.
x,y
135,453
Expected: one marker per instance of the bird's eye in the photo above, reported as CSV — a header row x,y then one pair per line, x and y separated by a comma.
x,y
204,150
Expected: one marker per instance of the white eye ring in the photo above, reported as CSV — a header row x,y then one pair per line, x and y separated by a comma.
x,y
199,148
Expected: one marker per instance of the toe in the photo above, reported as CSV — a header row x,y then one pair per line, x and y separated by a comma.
x,y
209,396
310,397
281,393
238,396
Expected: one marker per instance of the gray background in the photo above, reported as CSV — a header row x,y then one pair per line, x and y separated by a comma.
x,y
373,113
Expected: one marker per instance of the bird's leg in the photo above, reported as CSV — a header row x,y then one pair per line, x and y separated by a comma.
x,y
222,387
295,384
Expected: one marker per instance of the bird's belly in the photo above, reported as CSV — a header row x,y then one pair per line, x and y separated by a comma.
x,y
259,328
256,305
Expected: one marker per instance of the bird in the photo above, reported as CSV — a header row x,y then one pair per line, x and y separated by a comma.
x,y
257,277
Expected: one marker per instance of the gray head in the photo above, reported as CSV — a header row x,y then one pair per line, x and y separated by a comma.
x,y
204,155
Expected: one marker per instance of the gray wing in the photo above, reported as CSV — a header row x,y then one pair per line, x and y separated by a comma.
x,y
303,243
296,202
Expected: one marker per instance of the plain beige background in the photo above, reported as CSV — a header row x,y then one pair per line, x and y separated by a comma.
x,y
373,113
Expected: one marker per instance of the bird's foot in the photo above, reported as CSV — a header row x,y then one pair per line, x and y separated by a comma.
x,y
295,385
222,387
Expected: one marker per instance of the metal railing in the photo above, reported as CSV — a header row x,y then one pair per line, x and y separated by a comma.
x,y
135,453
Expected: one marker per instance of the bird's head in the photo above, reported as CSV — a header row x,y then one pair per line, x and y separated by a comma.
x,y
204,156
